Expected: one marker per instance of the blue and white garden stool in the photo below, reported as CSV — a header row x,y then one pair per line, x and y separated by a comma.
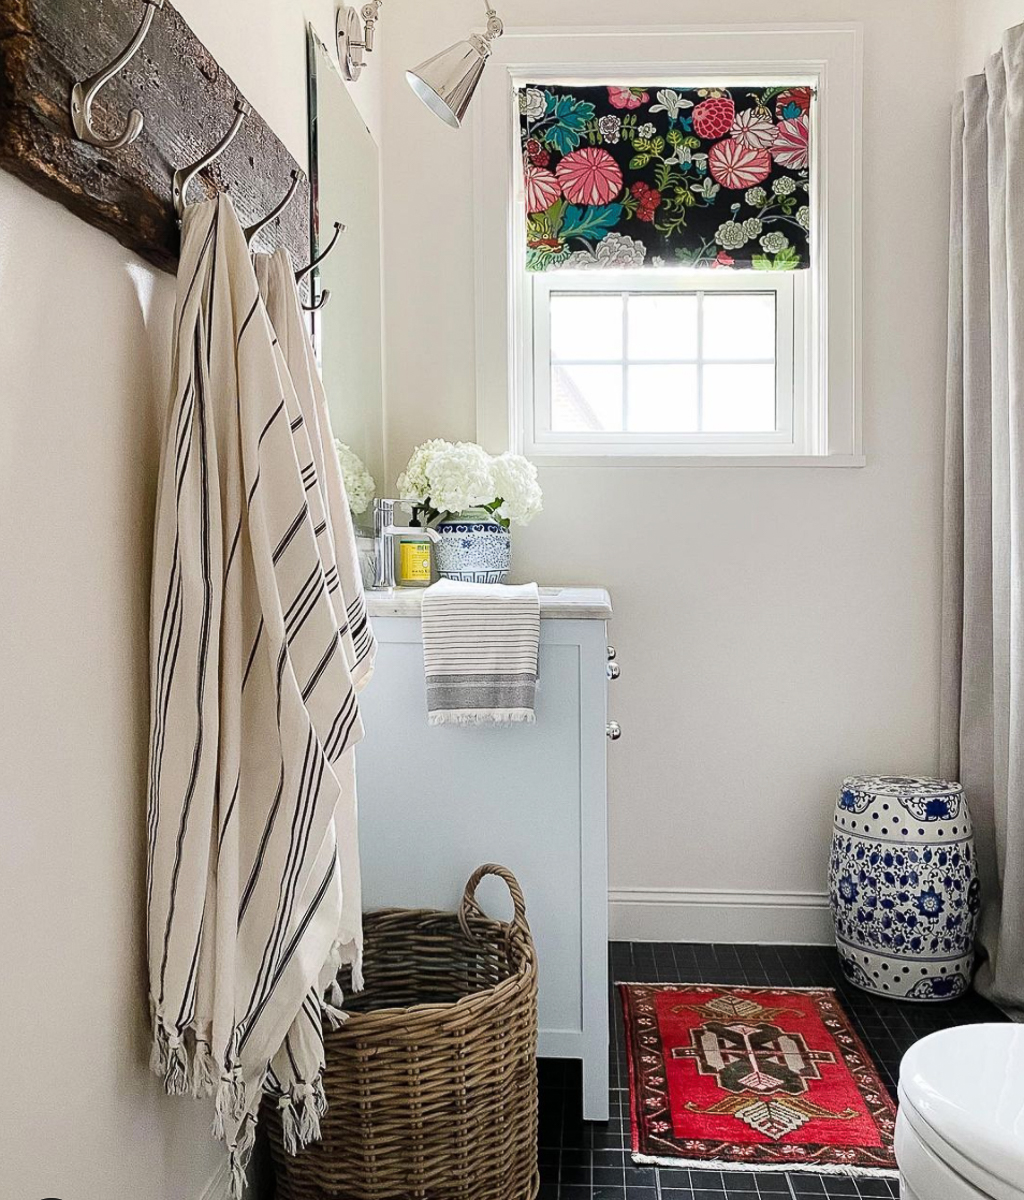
x,y
903,882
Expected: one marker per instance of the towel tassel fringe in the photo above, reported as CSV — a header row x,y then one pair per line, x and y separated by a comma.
x,y
240,1153
229,1102
301,1109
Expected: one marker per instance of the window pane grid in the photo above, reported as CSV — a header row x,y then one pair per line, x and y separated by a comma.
x,y
645,413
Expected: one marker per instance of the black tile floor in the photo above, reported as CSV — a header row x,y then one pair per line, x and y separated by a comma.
x,y
583,1160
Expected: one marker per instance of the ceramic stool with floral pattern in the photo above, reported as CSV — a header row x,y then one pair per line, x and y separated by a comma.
x,y
903,884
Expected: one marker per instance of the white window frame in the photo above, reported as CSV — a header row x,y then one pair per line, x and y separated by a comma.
x,y
826,56
795,430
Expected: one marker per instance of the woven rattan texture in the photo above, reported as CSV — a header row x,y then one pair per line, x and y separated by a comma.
x,y
432,1082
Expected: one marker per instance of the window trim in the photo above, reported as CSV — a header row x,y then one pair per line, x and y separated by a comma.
x,y
794,429
827,55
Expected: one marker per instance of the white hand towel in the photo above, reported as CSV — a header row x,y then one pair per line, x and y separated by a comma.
x,y
480,651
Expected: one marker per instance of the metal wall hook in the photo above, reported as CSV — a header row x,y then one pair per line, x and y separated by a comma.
x,y
325,295
253,230
339,229
84,93
184,175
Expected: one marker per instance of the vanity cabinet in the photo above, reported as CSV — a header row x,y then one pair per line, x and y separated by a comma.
x,y
436,802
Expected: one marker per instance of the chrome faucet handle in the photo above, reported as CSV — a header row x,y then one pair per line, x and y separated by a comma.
x,y
418,530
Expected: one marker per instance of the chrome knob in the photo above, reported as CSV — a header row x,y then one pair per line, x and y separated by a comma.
x,y
611,653
614,670
613,730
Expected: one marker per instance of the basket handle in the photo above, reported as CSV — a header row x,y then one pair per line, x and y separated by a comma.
x,y
470,908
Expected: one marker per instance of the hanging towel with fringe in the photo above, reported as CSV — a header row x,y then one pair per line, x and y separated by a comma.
x,y
337,536
480,648
258,642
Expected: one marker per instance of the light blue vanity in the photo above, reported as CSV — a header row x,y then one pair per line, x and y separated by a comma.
x,y
437,802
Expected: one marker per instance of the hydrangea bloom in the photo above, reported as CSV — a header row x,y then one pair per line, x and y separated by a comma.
x,y
445,477
414,482
359,483
460,478
515,484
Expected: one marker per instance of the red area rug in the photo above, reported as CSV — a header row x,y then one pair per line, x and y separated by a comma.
x,y
753,1079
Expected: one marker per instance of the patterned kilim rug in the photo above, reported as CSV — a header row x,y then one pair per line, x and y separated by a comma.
x,y
753,1079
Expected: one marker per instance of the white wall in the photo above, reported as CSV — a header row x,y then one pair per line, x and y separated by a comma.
x,y
981,25
777,627
84,329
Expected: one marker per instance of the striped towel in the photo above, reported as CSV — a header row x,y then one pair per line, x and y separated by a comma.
x,y
258,644
480,648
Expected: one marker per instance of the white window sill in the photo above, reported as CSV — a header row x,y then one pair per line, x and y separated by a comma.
x,y
699,460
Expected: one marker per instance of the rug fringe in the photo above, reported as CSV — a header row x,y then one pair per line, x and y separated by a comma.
x,y
715,1164
732,987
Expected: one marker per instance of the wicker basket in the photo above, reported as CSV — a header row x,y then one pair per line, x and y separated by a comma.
x,y
432,1082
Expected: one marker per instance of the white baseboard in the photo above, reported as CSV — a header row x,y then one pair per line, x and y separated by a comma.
x,y
688,915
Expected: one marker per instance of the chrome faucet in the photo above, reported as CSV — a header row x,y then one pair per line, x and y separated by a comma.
x,y
384,529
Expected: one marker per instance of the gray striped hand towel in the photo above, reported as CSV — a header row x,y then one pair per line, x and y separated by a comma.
x,y
480,648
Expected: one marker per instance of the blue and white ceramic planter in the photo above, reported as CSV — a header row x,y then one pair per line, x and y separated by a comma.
x,y
903,883
474,548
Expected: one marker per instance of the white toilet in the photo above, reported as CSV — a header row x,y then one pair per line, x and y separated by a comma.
x,y
960,1128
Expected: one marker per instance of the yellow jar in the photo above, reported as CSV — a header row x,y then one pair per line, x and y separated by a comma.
x,y
414,561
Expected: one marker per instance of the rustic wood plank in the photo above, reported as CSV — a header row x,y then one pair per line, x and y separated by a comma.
x,y
188,103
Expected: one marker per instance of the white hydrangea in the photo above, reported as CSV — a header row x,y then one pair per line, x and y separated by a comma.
x,y
752,227
803,216
756,197
516,486
783,186
359,483
414,481
459,477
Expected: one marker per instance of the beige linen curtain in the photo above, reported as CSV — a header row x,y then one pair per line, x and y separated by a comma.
x,y
983,635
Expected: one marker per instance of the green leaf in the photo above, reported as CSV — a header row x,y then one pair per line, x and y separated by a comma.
x,y
639,161
674,137
663,176
594,221
570,117
549,222
785,260
658,146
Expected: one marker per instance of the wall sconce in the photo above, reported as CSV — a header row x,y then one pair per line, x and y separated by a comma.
x,y
446,82
354,30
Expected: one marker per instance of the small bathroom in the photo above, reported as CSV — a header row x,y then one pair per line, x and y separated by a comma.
x,y
512,568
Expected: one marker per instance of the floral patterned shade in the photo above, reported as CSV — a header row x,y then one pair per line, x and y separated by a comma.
x,y
633,176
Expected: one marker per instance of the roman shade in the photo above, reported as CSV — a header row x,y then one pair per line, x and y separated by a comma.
x,y
618,176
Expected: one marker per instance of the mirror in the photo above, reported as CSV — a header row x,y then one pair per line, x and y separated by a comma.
x,y
344,172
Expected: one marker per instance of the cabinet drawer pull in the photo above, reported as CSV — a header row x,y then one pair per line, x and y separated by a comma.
x,y
611,653
614,730
614,670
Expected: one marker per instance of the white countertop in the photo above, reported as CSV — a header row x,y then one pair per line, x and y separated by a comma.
x,y
556,603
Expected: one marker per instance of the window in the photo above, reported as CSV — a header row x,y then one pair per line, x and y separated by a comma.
x,y
663,362
626,401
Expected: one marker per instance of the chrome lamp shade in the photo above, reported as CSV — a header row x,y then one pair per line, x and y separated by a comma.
x,y
446,82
